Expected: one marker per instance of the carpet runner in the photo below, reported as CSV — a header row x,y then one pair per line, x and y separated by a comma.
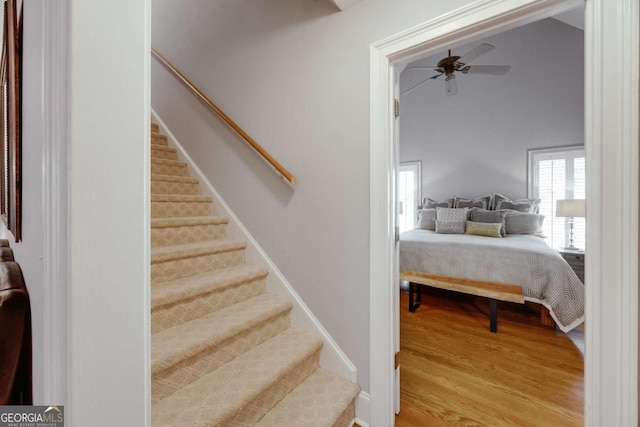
x,y
222,348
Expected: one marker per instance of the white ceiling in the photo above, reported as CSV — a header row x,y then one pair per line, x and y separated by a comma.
x,y
574,17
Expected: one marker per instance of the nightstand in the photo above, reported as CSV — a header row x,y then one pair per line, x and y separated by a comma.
x,y
575,260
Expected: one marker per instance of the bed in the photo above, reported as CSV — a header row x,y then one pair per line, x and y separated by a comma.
x,y
517,259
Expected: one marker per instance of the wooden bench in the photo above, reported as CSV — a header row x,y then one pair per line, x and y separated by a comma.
x,y
494,291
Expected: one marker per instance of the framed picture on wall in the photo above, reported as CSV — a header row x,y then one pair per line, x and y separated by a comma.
x,y
10,118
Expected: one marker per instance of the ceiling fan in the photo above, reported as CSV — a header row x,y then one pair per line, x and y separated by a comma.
x,y
450,65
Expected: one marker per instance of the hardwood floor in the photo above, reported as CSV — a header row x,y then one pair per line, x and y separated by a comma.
x,y
454,372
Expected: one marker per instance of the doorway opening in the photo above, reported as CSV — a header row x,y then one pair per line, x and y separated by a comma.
x,y
617,159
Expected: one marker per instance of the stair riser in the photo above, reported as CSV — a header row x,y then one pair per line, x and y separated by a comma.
x,y
254,410
175,170
186,310
347,417
179,209
186,371
163,154
171,187
160,140
154,127
176,269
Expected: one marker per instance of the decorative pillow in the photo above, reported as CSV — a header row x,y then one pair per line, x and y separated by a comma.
x,y
427,219
491,217
523,223
452,214
483,202
450,227
520,205
486,229
428,203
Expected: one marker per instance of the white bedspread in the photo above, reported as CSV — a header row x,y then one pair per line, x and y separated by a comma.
x,y
517,259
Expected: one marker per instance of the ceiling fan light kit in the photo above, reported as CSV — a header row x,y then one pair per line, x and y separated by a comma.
x,y
451,64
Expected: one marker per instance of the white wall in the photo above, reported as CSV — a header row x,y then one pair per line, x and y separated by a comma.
x,y
295,75
476,142
109,381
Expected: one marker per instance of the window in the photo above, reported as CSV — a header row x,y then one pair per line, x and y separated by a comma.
x,y
409,182
556,174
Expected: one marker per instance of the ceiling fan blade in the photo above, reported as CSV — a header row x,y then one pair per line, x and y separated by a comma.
x,y
488,69
420,67
479,50
451,86
418,84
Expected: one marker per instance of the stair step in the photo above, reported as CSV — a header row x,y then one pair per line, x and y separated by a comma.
x,y
178,231
184,353
323,399
169,167
181,300
158,138
174,262
167,205
244,389
163,152
154,127
172,184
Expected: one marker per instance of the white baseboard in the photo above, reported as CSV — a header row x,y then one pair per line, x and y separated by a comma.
x,y
363,403
332,358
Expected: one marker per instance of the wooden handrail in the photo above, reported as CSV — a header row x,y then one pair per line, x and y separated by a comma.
x,y
265,155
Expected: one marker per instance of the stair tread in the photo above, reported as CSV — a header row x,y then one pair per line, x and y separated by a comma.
x,y
180,198
158,133
217,396
164,293
168,162
318,401
174,178
184,221
161,147
168,253
190,338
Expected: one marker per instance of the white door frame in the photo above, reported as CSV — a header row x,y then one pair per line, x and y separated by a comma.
x,y
611,143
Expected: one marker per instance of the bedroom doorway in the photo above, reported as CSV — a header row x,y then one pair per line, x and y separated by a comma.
x,y
468,23
510,186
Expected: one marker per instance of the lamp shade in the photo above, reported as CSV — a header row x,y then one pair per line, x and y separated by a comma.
x,y
573,208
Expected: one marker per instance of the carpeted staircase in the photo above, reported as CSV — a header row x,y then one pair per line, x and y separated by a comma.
x,y
223,351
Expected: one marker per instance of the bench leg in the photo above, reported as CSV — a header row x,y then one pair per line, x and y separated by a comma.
x,y
493,315
415,292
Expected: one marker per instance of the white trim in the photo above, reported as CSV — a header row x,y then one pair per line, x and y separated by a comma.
x,y
332,358
363,409
611,143
611,37
55,33
148,111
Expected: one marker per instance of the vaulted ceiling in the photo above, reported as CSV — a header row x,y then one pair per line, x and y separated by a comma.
x,y
343,4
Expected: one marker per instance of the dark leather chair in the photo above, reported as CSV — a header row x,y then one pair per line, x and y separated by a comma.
x,y
15,337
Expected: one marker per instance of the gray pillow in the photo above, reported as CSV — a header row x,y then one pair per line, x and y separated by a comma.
x,y
428,203
450,227
452,214
483,202
491,217
427,219
520,205
523,223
